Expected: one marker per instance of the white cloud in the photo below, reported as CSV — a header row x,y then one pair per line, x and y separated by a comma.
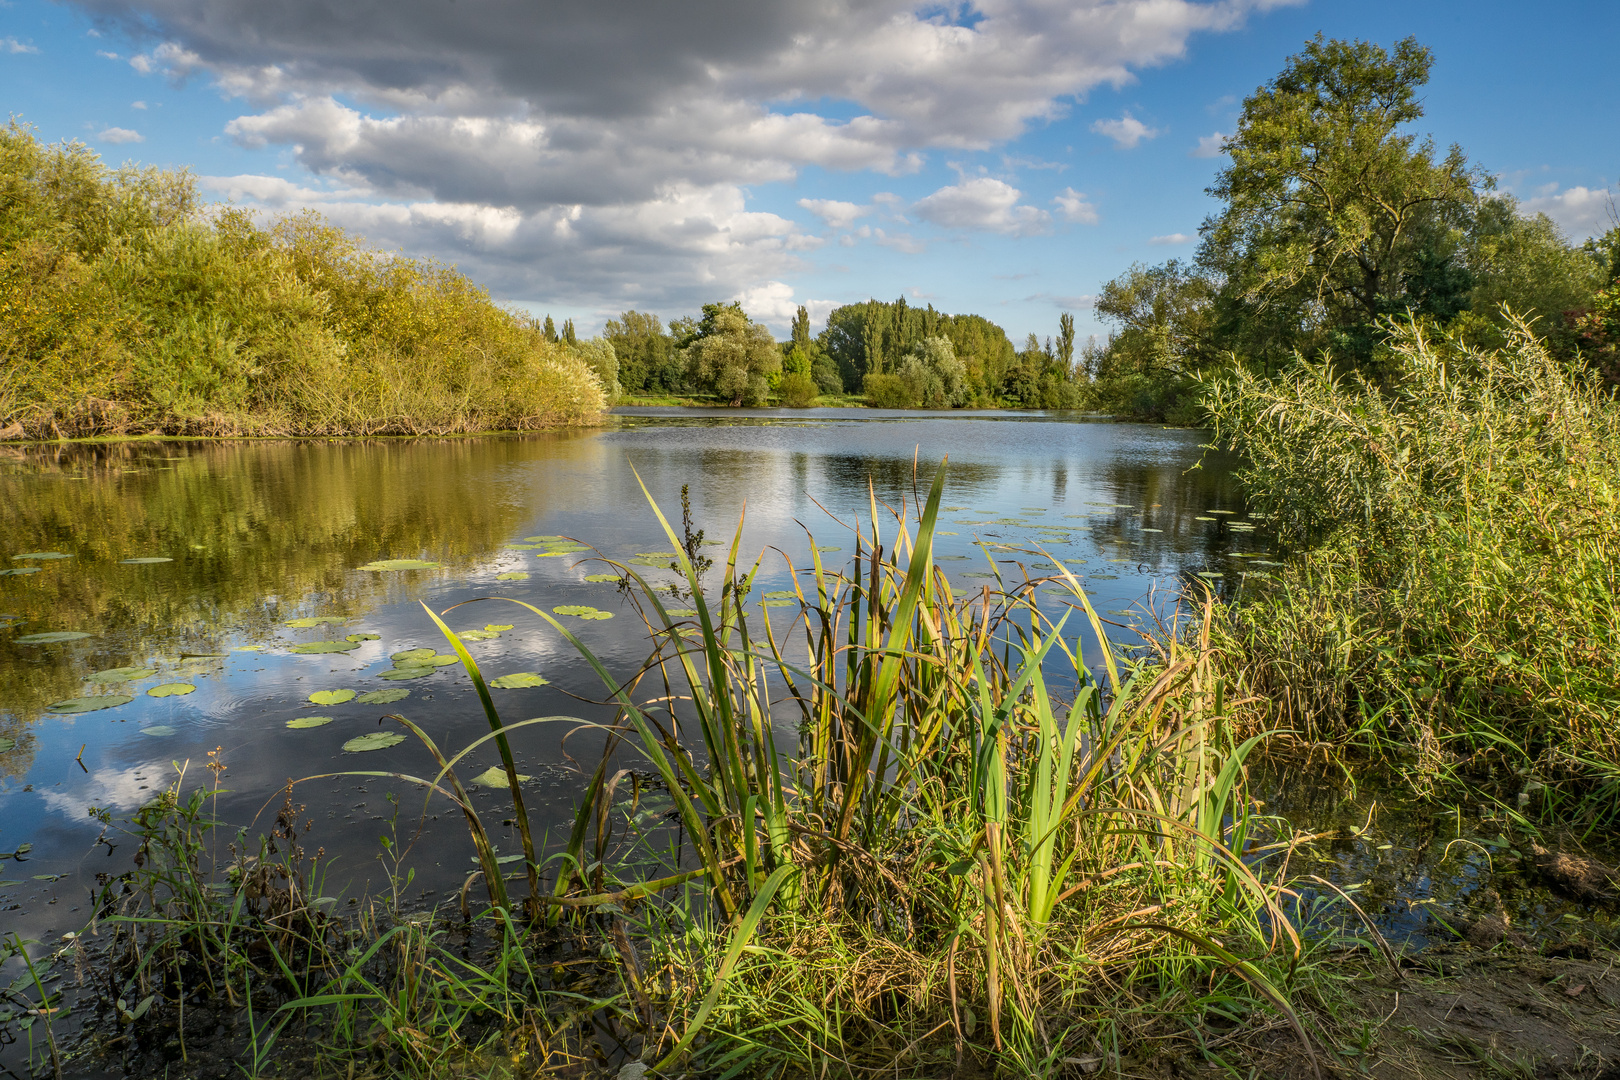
x,y
1209,146
137,105
836,214
1579,211
1126,132
167,59
1073,207
105,55
12,45
1171,239
904,243
982,203
120,135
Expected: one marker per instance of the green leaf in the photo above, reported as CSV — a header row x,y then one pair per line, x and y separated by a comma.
x,y
309,648
519,680
682,612
401,564
495,777
412,654
583,611
316,620
513,575
377,740
19,571
146,560
309,722
363,637
601,578
431,660
381,697
158,731
43,555
90,704
478,635
331,697
51,637
655,554
543,539
171,689
496,628
407,673
122,674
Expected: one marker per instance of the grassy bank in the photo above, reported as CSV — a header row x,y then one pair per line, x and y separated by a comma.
x,y
127,307
1451,600
889,827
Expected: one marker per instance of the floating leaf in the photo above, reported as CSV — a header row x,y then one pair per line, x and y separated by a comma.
x,y
6,744
377,740
363,637
19,571
513,575
401,564
551,554
122,674
406,673
51,637
780,594
412,654
171,689
309,722
519,680
1264,562
431,660
1210,574
1153,530
331,697
600,578
158,730
521,547
946,534
247,648
682,612
543,539
147,560
779,603
316,620
829,549
655,554
1104,577
495,777
43,555
478,635
496,628
90,704
661,564
583,611
1222,511
381,697
307,648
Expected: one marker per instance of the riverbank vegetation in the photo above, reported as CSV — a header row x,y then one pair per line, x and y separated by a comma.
x,y
126,306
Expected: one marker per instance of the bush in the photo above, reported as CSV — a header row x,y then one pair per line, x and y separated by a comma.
x,y
887,392
827,376
797,391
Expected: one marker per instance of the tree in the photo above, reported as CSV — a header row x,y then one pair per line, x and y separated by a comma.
x,y
1065,346
1330,204
1165,318
1526,265
550,331
801,329
599,354
933,376
648,359
731,356
568,334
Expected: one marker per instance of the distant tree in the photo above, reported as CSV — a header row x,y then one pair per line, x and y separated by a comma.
x,y
731,356
801,329
1526,264
568,334
933,376
599,354
1065,346
1164,319
648,358
1330,206
550,331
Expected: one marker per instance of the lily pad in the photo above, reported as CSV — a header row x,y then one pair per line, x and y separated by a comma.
x,y
401,564
316,620
412,654
331,697
171,689
682,612
779,594
1153,530
519,680
309,722
946,534
51,638
495,777
377,740
583,611
308,648
655,554
822,548
513,575
552,554
497,628
122,674
146,560
43,555
158,731
543,539
1210,574
363,637
779,603
406,673
431,660
660,564
6,744
479,635
381,697
600,578
20,571
247,648
90,704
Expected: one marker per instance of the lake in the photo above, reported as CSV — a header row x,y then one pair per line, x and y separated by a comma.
x,y
256,536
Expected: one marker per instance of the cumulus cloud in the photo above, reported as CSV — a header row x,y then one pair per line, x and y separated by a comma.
x,y
835,213
137,105
1073,207
1209,145
579,124
984,204
1171,239
12,45
1579,211
120,135
1126,132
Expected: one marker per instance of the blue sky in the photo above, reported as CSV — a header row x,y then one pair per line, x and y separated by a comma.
x,y
1004,158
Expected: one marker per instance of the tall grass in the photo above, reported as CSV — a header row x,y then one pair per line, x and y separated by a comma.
x,y
1453,588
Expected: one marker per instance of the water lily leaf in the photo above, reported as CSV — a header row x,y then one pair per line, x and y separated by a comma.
x,y
495,777
778,594
1153,530
412,654
478,635
6,744
247,648
600,578
363,637
331,697
496,628
1104,577
377,740
1265,562
661,564
655,554
431,660
43,555
583,611
90,704
521,547
381,697
543,539
51,638
821,548
1221,511
316,620
519,680
19,571
309,722
146,560
551,554
1204,519
122,674
171,689
1210,574
513,575
406,673
307,648
682,612
401,564
946,534
779,603
158,730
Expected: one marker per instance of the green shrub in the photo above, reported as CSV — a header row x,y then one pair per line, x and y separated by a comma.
x,y
887,392
797,391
